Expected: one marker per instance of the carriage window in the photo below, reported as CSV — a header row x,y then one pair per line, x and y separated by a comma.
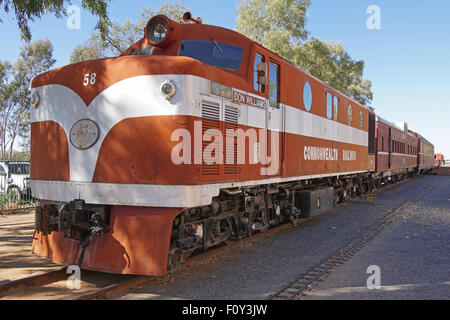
x,y
213,53
307,96
371,133
329,105
274,84
258,59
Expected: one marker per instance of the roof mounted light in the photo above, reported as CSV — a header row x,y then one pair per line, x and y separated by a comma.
x,y
158,30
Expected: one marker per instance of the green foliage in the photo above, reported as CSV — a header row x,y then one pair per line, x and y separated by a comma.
x,y
332,64
12,201
26,11
15,92
93,49
123,35
279,25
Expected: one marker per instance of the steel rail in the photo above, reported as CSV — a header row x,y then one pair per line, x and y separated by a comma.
x,y
40,278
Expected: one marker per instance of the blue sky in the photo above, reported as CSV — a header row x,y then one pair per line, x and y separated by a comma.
x,y
408,60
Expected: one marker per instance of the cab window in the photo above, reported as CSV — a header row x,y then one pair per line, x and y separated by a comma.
x,y
258,59
274,84
213,53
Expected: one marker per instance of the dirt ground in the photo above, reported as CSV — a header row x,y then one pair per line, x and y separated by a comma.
x,y
16,259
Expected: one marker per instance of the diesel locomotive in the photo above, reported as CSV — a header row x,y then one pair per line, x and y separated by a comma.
x,y
194,136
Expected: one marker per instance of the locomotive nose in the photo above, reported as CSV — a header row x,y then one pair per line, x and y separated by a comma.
x,y
94,121
90,78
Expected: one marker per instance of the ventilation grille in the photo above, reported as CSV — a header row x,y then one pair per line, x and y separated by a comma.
x,y
230,151
211,120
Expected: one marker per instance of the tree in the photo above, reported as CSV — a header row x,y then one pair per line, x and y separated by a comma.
x,y
332,64
15,92
121,36
279,25
26,11
5,101
93,49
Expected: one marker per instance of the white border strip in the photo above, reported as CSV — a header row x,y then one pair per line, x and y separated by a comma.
x,y
166,196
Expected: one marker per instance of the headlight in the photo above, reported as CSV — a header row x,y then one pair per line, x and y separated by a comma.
x,y
158,30
168,89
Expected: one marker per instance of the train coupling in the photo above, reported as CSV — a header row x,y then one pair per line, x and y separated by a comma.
x,y
76,219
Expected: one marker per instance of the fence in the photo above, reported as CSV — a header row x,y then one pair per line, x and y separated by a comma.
x,y
15,191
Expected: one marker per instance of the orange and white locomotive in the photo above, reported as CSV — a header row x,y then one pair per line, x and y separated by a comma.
x,y
193,136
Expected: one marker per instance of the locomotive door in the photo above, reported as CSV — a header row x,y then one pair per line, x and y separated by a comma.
x,y
275,123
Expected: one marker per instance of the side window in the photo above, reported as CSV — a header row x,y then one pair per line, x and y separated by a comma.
x,y
307,96
2,170
350,115
336,108
329,105
274,85
258,59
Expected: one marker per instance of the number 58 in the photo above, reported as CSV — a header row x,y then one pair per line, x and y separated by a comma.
x,y
89,78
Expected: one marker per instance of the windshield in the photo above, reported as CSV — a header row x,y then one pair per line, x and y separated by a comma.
x,y
18,168
213,53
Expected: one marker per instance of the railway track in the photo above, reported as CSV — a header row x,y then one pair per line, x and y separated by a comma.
x,y
32,287
310,279
53,285
122,284
33,280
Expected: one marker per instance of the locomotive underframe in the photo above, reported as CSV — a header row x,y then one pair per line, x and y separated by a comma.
x,y
239,213
232,216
